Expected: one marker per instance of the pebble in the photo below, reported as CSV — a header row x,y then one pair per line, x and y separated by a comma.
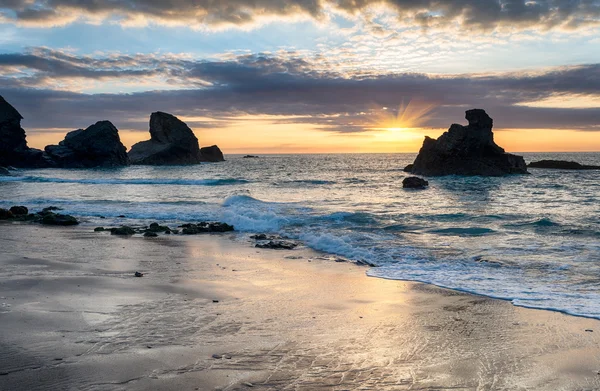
x,y
217,356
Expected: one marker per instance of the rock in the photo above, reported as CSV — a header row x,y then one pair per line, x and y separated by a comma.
x,y
413,182
467,150
409,168
211,154
5,214
171,142
155,227
150,234
4,172
561,165
205,227
51,218
122,231
13,143
250,157
19,210
138,274
97,146
277,245
266,237
99,229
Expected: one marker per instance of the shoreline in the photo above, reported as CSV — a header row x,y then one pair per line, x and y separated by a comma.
x,y
78,319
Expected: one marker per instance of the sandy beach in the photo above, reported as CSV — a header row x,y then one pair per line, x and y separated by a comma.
x,y
214,313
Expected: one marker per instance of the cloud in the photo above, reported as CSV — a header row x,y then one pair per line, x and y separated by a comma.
x,y
463,14
284,84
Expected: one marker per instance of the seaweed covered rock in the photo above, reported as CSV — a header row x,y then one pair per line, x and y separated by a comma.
x,y
467,150
97,146
171,142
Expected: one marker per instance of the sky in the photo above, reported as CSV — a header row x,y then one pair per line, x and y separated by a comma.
x,y
307,76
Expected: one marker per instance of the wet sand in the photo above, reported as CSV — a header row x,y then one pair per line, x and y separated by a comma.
x,y
214,313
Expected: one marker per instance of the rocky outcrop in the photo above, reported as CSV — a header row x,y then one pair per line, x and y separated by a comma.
x,y
211,154
171,142
467,150
561,165
97,146
13,144
414,182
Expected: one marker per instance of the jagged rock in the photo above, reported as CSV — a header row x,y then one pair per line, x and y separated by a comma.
x,y
171,142
562,165
19,210
97,146
467,150
51,218
414,182
277,245
205,227
211,154
409,168
13,143
4,172
5,214
122,231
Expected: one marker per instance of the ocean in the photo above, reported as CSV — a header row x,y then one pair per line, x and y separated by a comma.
x,y
531,239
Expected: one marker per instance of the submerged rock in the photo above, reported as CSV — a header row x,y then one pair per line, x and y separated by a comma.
x,y
97,146
561,165
99,229
467,150
277,245
171,142
250,157
413,182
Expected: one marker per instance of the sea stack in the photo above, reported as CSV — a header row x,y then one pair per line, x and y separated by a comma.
x,y
13,144
467,150
97,146
171,142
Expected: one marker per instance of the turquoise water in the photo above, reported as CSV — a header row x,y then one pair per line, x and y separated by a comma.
x,y
532,239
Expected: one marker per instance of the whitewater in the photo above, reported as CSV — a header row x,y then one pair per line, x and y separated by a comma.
x,y
531,239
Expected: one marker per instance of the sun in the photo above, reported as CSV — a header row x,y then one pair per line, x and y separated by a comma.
x,y
407,117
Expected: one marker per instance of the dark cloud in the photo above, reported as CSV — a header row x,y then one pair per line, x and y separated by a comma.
x,y
480,14
288,86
